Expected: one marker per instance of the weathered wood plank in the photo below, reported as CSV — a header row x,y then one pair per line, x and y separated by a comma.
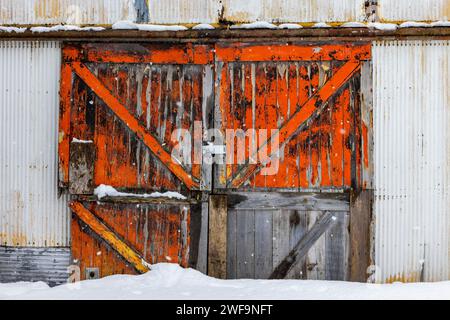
x,y
231,244
263,244
217,239
302,247
360,220
336,248
81,168
297,230
315,262
367,125
245,244
289,201
280,234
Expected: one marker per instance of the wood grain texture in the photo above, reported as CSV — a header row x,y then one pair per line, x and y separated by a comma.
x,y
360,234
217,239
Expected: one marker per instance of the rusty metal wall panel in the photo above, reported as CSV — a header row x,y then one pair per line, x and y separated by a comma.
x,y
412,173
213,11
179,11
31,214
417,10
293,10
66,11
34,264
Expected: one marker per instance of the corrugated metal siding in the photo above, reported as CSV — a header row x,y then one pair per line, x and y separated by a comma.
x,y
34,264
294,10
30,212
412,160
210,11
66,11
181,11
418,10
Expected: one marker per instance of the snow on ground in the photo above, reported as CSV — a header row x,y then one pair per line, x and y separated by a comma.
x,y
203,26
108,191
170,281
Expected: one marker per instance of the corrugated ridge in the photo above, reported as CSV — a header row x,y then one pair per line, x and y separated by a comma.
x,y
31,214
66,11
417,10
411,117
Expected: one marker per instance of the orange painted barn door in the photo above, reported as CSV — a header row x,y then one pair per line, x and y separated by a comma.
x,y
121,106
309,93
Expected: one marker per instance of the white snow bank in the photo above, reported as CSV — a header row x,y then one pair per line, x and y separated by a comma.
x,y
12,29
321,25
255,25
81,141
170,281
383,26
440,24
353,25
203,26
414,24
108,191
129,25
290,26
65,28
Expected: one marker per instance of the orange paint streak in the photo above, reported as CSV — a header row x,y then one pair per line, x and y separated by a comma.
x,y
132,123
314,143
65,94
299,118
281,52
347,127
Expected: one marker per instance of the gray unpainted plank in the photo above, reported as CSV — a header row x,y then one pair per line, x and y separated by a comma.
x,y
263,244
231,245
297,230
245,244
280,232
336,248
315,262
289,201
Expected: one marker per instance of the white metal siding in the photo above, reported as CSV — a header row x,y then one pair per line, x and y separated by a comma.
x,y
412,160
65,11
31,214
181,11
417,10
208,11
294,10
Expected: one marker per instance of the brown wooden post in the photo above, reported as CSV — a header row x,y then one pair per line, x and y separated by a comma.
x,y
217,239
360,219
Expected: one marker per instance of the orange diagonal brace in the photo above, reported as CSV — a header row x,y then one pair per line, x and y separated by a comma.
x,y
132,123
106,234
300,118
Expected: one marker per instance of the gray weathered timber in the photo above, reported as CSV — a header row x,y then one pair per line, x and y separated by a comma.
x,y
263,244
315,259
81,169
207,123
34,264
302,247
360,234
298,228
336,248
231,244
367,122
289,201
245,244
217,238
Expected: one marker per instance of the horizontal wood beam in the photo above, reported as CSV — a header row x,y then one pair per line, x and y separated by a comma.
x,y
212,36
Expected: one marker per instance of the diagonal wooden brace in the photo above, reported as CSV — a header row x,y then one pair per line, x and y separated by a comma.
x,y
133,124
301,118
110,237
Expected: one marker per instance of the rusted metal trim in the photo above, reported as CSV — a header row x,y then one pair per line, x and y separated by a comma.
x,y
213,36
300,119
110,237
133,124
